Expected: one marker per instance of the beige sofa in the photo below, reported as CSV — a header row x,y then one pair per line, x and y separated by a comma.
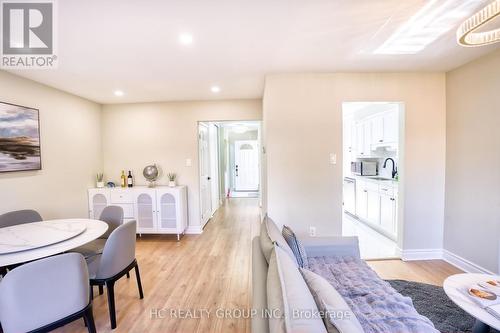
x,y
317,246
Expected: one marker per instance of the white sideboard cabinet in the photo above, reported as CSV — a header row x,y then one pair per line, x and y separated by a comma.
x,y
159,210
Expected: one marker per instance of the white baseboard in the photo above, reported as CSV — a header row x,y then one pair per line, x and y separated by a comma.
x,y
421,254
464,264
194,230
450,257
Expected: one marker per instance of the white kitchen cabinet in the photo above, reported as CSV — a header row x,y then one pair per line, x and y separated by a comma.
x,y
361,200
373,206
376,205
377,129
360,139
388,214
159,210
385,129
363,138
391,127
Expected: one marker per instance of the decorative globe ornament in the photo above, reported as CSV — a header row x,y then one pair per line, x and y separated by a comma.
x,y
151,174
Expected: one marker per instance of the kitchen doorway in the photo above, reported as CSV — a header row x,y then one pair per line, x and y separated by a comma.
x,y
229,163
372,167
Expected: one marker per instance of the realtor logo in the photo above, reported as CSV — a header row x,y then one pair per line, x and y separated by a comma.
x,y
28,35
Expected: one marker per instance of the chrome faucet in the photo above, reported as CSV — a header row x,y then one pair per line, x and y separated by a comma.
x,y
394,169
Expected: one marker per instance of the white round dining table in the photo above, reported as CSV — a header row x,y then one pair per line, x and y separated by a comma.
x,y
31,241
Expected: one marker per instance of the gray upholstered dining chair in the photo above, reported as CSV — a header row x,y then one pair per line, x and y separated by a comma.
x,y
113,216
14,218
116,260
19,217
43,295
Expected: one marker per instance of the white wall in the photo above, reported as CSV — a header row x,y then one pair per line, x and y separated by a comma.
x,y
70,146
472,213
135,135
303,124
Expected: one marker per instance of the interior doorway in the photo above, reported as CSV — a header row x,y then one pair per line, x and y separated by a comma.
x,y
373,173
229,163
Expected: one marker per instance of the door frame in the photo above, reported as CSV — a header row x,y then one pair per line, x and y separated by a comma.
x,y
213,152
222,198
401,165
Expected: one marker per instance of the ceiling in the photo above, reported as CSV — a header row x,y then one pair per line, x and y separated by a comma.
x,y
134,45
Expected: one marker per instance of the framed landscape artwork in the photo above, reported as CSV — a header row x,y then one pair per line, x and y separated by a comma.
x,y
19,138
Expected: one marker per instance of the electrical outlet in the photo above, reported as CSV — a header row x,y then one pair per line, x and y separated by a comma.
x,y
312,231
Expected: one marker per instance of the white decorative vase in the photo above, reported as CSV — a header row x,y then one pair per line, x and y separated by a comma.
x,y
172,183
100,184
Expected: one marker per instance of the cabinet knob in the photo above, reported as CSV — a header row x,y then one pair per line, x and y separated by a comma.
x,y
380,140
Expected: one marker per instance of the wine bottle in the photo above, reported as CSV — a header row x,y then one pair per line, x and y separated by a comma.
x,y
123,179
130,180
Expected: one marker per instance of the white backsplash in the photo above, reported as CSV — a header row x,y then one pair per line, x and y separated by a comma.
x,y
380,157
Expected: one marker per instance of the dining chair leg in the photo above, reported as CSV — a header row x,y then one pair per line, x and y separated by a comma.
x,y
110,285
101,289
88,317
139,284
128,275
91,291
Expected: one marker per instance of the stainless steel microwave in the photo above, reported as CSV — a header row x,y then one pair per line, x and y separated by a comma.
x,y
364,168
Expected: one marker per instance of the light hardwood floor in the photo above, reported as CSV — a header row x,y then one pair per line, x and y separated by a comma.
x,y
201,274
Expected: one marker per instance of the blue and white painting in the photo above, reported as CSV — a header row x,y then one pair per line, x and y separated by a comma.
x,y
19,138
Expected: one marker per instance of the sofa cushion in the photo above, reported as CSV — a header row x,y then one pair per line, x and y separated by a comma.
x,y
338,317
288,292
296,246
266,244
276,237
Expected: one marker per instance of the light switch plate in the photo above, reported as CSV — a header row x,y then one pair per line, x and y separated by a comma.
x,y
188,162
333,158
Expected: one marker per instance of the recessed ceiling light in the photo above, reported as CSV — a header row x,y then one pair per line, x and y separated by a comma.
x,y
119,93
215,89
433,20
186,39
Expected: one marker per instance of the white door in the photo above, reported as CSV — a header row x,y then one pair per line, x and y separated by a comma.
x,y
205,188
246,160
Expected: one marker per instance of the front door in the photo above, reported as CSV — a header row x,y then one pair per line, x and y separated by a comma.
x,y
205,180
246,160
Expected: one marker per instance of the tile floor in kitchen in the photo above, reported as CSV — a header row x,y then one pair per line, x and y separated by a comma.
x,y
372,244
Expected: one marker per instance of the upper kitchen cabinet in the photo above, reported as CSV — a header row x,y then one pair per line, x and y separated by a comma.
x,y
385,128
363,138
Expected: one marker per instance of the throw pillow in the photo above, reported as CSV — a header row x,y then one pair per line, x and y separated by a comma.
x,y
338,318
297,248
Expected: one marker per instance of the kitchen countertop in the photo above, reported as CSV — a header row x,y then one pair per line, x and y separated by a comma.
x,y
378,179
